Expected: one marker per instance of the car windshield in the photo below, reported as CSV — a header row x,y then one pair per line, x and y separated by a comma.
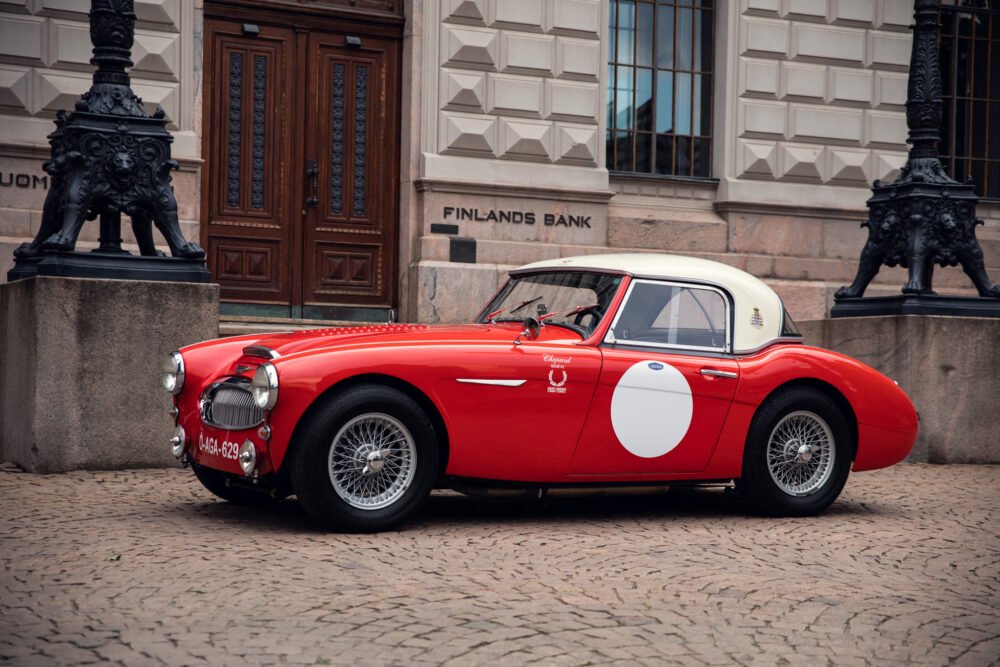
x,y
572,299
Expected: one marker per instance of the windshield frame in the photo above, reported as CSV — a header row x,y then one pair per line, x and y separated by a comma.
x,y
610,302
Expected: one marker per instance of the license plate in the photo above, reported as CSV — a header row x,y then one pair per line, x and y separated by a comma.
x,y
218,446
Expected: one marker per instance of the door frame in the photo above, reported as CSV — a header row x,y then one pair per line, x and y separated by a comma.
x,y
301,20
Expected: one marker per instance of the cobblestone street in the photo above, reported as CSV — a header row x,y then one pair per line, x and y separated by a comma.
x,y
146,568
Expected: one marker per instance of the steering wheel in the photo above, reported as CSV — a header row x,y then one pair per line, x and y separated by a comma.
x,y
594,312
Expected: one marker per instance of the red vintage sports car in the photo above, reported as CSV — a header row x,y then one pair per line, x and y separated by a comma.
x,y
586,372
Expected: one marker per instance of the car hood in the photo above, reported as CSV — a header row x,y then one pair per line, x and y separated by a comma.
x,y
398,334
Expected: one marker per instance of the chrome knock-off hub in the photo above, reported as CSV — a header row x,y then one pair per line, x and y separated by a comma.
x,y
374,462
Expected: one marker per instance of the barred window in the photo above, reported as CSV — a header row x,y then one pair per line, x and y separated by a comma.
x,y
970,78
660,87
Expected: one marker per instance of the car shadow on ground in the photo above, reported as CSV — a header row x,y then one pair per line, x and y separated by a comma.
x,y
449,509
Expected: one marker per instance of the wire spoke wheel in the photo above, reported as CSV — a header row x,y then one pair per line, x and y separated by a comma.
x,y
801,452
372,461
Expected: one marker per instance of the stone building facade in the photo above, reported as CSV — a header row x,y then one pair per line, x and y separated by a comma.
x,y
342,158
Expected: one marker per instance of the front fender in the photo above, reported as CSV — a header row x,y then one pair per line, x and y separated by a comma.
x,y
305,378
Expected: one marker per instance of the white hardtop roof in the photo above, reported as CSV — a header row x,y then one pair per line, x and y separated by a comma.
x,y
755,302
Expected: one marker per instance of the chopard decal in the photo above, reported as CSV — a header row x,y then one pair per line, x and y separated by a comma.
x,y
556,386
557,362
557,372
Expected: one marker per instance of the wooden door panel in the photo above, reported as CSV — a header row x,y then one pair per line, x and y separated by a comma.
x,y
349,253
249,231
347,269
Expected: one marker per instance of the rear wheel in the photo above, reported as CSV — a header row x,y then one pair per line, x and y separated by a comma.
x,y
798,454
366,460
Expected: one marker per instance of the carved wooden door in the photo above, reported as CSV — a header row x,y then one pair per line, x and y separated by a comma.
x,y
250,198
301,168
350,232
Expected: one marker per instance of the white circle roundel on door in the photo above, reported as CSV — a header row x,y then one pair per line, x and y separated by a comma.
x,y
651,408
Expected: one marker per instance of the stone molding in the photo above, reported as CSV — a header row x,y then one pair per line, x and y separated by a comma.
x,y
504,190
790,209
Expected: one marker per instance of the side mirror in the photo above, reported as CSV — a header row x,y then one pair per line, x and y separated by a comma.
x,y
531,330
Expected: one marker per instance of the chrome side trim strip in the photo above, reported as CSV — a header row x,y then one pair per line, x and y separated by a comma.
x,y
494,383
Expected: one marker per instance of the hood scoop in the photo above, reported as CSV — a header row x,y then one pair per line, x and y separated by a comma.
x,y
260,351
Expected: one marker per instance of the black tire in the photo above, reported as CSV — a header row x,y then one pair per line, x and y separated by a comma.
x,y
215,481
795,410
407,478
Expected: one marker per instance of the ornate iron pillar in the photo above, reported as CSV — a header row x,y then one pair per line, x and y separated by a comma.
x,y
924,217
110,157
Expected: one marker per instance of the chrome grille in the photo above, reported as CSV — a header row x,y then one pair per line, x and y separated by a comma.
x,y
230,406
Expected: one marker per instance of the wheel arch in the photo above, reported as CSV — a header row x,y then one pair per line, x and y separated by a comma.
x,y
346,384
835,395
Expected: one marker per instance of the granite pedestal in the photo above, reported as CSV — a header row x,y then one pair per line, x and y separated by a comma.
x,y
80,364
949,366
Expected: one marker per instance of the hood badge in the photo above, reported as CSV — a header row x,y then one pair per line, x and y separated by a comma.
x,y
756,321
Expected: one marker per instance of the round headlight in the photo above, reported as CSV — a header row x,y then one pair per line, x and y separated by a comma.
x,y
173,373
248,457
178,441
265,386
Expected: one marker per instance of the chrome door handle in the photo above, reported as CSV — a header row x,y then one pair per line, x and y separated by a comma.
x,y
711,372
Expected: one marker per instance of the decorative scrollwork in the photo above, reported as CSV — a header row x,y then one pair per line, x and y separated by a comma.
x,y
235,136
337,141
924,217
360,139
110,157
259,99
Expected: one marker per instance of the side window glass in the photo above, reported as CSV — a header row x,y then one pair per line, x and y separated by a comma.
x,y
674,315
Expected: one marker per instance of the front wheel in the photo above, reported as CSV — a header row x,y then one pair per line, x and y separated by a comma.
x,y
798,454
366,460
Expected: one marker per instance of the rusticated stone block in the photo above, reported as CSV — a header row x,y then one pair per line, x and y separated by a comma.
x,y
774,235
526,140
446,292
469,47
949,366
764,36
463,90
80,369
666,231
21,36
576,144
470,11
14,86
578,58
758,158
583,16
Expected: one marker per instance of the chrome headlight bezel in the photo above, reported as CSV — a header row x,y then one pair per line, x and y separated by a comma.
x,y
173,373
265,386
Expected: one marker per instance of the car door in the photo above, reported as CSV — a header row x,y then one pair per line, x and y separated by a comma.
x,y
666,385
515,412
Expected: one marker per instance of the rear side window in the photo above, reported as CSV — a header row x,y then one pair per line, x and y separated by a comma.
x,y
788,327
673,315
